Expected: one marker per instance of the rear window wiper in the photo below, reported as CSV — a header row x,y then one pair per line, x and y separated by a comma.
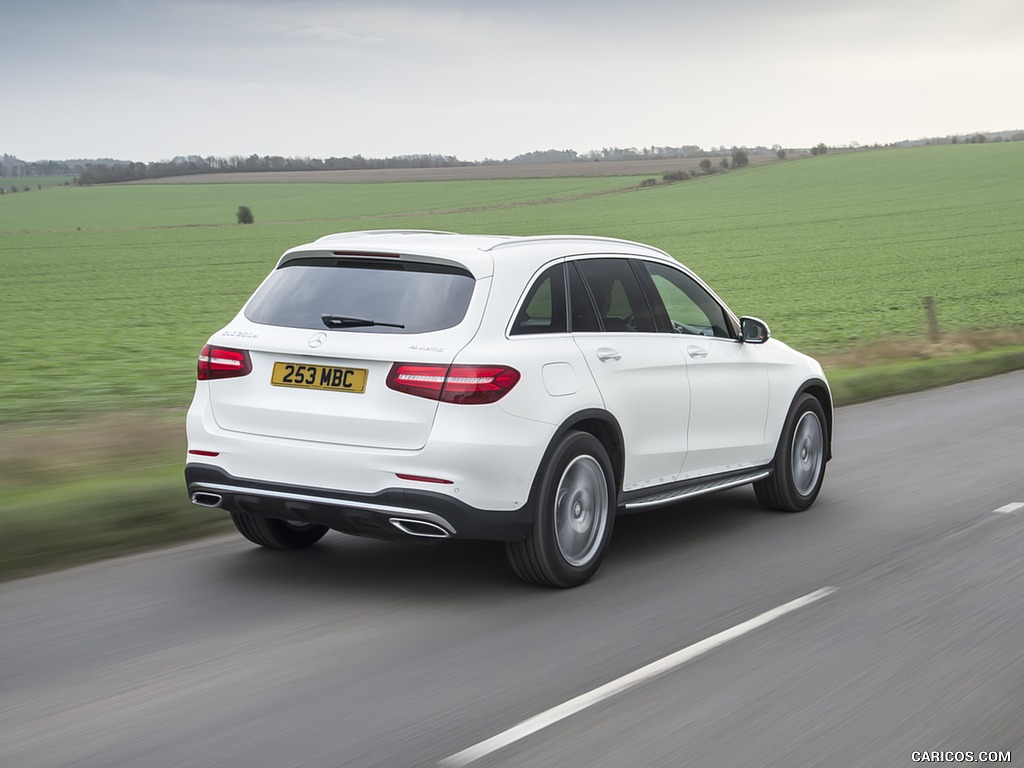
x,y
341,321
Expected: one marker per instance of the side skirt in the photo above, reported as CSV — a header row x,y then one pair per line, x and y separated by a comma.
x,y
647,498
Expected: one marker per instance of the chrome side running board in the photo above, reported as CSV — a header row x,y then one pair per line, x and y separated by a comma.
x,y
697,489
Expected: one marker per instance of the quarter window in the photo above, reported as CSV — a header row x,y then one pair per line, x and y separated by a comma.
x,y
543,310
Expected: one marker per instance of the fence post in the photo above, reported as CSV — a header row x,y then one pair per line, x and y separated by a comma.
x,y
933,320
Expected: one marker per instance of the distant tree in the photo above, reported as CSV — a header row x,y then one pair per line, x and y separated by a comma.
x,y
705,165
821,149
780,153
547,156
244,215
740,159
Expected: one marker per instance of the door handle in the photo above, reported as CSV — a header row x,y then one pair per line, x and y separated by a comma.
x,y
607,353
696,351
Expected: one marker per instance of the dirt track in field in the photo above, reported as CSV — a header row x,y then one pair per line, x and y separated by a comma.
x,y
654,168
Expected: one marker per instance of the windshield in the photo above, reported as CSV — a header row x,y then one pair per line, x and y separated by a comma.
x,y
386,296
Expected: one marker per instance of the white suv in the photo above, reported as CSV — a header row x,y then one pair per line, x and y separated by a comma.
x,y
406,384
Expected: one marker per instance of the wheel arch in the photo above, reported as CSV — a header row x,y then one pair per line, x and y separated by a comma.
x,y
819,390
604,427
546,555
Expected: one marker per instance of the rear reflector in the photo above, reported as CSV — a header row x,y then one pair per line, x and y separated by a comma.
x,y
194,452
423,478
462,384
222,363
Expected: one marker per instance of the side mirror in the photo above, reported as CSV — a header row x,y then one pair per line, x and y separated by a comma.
x,y
754,331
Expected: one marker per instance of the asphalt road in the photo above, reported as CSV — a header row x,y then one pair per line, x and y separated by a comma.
x,y
370,654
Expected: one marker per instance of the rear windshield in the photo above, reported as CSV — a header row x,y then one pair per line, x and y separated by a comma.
x,y
391,297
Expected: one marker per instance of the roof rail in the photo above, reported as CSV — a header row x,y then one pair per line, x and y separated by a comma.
x,y
577,238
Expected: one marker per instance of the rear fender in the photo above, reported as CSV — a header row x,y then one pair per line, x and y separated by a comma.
x,y
602,425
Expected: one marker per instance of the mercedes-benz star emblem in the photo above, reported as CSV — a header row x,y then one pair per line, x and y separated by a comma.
x,y
317,339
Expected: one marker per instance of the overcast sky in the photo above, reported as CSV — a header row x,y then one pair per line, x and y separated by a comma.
x,y
147,80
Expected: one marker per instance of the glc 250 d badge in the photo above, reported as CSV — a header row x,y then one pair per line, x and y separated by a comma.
x,y
317,339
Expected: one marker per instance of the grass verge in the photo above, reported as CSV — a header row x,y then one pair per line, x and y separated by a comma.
x,y
75,523
858,385
93,514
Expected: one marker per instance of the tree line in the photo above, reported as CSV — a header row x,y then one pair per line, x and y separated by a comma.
x,y
106,170
114,171
104,173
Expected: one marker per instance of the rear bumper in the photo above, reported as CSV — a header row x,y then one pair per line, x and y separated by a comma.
x,y
390,513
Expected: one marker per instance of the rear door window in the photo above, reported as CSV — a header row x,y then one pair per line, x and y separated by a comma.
x,y
407,296
619,299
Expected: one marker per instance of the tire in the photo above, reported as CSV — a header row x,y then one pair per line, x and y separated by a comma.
x,y
277,534
573,515
799,467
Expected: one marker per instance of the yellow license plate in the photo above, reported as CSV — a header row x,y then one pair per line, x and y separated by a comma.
x,y
319,377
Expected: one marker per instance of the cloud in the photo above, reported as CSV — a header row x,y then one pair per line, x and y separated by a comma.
x,y
475,79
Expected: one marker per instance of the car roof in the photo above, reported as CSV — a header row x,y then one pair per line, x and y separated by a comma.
x,y
473,251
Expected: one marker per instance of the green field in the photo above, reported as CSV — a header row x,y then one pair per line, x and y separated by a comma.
x,y
108,292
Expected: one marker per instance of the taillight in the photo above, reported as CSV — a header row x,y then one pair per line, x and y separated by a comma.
x,y
222,363
462,384
474,384
420,380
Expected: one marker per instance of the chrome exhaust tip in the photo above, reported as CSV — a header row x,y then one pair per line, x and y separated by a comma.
x,y
420,528
204,499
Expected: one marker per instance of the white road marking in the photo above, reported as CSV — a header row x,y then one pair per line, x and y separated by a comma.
x,y
1010,508
642,675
